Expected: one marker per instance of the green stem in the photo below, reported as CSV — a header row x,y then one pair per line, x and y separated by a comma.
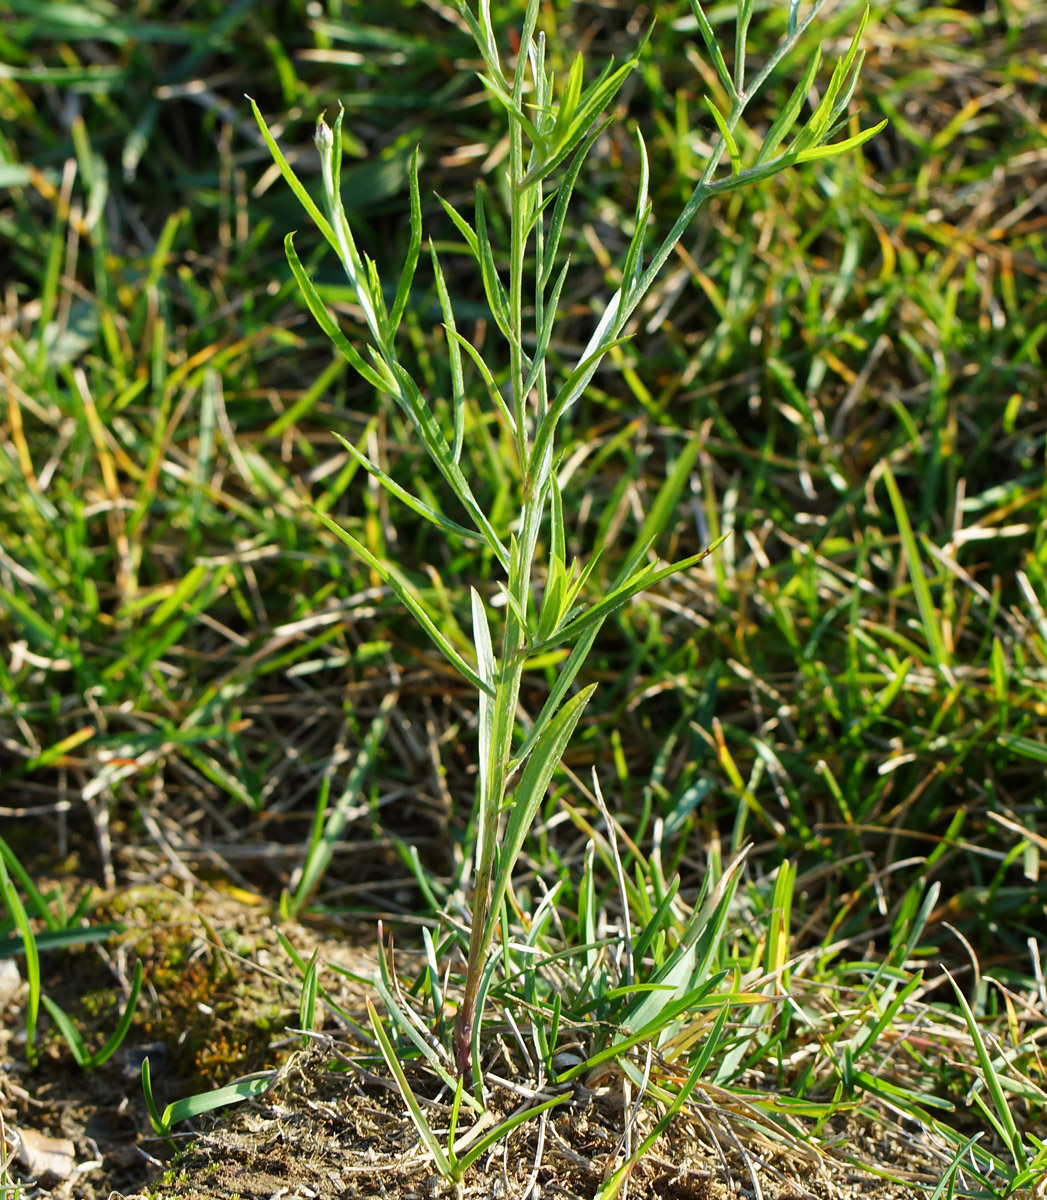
x,y
515,640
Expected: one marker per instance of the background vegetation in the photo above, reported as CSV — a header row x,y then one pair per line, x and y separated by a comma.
x,y
855,682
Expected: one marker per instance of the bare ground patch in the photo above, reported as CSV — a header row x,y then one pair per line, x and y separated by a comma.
x,y
326,1127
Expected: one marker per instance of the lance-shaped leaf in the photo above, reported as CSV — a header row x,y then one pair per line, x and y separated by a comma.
x,y
528,796
832,149
494,289
403,291
787,117
546,331
713,48
295,183
823,115
359,271
576,113
486,664
727,135
329,325
790,158
405,497
693,960
563,196
417,408
661,511
492,387
637,583
454,354
409,600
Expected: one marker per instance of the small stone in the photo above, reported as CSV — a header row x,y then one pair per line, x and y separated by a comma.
x,y
10,981
44,1156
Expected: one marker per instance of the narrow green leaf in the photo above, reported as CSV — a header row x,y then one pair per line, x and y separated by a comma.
x,y
557,532
32,957
598,96
486,666
587,922
123,1026
567,394
930,903
1007,1125
403,291
565,677
712,46
204,1102
552,599
159,1127
870,1036
568,105
529,794
328,324
546,331
359,270
822,116
1026,747
481,1146
417,408
493,389
68,1031
183,591
695,958
563,198
483,34
433,968
658,923
36,899
405,497
711,1041
664,507
634,256
76,935
839,109
409,600
946,1184
514,606
571,95
429,1138
909,1100
741,29
494,289
307,999
836,148
641,580
292,179
614,1185
787,117
929,615
516,113
463,227
454,355
728,137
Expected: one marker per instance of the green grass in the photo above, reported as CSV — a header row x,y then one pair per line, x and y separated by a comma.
x,y
855,681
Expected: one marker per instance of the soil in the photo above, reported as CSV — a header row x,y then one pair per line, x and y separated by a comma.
x,y
220,1004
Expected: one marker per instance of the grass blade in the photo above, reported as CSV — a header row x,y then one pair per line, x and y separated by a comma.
x,y
440,1160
